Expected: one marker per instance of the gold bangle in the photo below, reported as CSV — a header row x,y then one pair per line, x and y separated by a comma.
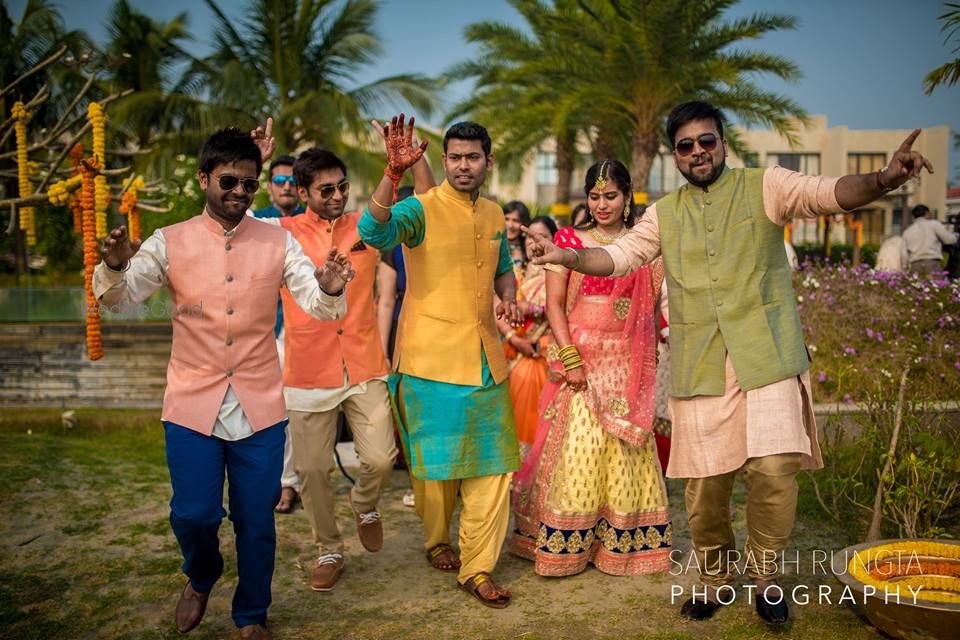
x,y
382,206
571,367
509,335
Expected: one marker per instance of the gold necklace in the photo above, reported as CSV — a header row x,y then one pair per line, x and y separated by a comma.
x,y
605,239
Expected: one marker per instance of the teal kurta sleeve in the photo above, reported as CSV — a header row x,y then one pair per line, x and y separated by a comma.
x,y
406,225
505,263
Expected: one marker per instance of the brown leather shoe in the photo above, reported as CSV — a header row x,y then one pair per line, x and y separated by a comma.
x,y
255,632
327,572
369,528
190,608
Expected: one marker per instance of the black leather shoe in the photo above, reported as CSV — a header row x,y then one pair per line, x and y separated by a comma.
x,y
699,609
773,614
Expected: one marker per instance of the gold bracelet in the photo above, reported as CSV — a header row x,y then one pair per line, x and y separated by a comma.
x,y
509,335
384,207
576,254
572,366
567,350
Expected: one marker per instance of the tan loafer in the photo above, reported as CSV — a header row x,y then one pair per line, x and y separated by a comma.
x,y
369,529
327,572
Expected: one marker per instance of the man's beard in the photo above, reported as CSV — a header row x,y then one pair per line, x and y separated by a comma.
x,y
709,179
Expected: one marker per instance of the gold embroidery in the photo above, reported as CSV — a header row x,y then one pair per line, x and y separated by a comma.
x,y
621,308
542,537
668,536
653,538
619,406
640,540
574,543
550,412
556,542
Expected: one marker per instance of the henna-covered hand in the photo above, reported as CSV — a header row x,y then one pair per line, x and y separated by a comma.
x,y
402,150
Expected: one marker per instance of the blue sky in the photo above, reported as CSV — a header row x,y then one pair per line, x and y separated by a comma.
x,y
862,61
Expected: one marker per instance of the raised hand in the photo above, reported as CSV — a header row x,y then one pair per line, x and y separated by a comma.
x,y
905,164
402,151
544,251
335,273
263,137
117,248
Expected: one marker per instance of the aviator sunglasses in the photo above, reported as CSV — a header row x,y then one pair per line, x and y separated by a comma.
x,y
282,180
326,191
707,142
229,183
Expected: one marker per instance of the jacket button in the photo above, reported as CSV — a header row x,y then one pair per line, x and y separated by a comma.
x,y
713,252
479,236
229,341
339,332
719,303
229,277
229,373
229,311
709,227
715,278
706,202
228,246
480,264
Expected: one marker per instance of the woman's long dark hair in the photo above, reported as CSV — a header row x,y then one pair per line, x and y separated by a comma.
x,y
613,171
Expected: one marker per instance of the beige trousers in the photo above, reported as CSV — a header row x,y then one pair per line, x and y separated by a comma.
x,y
771,507
314,437
483,519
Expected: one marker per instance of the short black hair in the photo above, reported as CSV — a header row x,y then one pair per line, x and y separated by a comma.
x,y
281,161
690,111
520,209
313,161
469,131
920,210
546,221
227,146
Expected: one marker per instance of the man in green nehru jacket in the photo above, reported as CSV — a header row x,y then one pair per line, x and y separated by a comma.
x,y
740,387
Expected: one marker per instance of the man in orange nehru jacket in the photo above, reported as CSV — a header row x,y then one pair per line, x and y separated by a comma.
x,y
336,365
223,409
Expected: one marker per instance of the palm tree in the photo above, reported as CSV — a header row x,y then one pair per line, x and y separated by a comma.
x,y
624,64
294,61
143,54
516,67
948,73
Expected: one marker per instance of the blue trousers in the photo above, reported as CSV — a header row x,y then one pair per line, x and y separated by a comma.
x,y
253,466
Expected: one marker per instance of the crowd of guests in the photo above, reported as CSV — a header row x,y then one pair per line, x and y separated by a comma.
x,y
515,362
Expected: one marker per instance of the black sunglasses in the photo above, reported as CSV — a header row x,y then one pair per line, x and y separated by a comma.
x,y
707,142
229,183
326,190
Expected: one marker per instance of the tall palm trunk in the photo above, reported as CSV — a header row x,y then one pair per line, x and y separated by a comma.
x,y
566,152
646,146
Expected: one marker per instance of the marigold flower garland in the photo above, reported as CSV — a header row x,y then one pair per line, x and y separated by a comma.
x,y
90,259
128,207
76,155
907,572
28,220
101,190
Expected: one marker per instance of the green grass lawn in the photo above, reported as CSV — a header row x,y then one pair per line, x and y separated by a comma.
x,y
87,552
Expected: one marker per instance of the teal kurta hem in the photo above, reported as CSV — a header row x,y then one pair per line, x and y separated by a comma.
x,y
451,431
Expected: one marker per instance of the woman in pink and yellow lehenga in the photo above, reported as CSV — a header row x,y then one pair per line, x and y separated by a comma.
x,y
591,489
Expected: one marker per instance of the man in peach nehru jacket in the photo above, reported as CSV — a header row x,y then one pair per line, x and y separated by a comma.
x,y
740,388
336,365
223,409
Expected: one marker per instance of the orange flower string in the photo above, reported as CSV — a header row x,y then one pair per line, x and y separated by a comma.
x,y
128,207
76,155
90,260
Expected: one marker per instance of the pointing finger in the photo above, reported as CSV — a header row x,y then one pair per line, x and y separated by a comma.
x,y
908,143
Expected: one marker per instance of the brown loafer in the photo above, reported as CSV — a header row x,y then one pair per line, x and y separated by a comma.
x,y
190,608
369,529
288,500
255,632
327,572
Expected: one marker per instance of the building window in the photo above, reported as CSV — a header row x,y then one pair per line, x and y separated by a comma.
x,y
547,168
808,163
858,163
